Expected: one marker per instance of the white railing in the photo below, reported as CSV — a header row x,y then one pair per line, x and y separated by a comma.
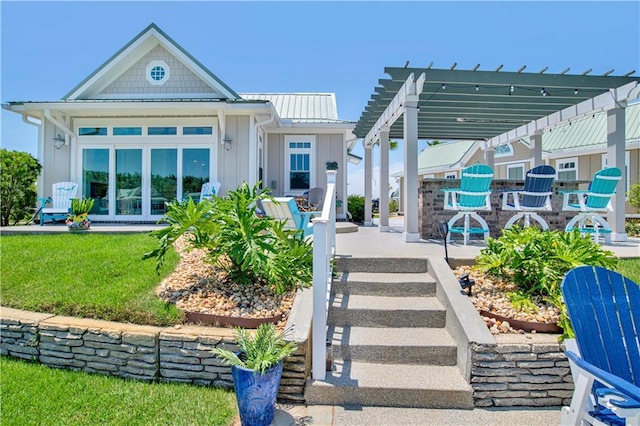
x,y
324,244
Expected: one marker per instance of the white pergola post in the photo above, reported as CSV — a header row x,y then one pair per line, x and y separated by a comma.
x,y
367,186
383,206
616,158
490,157
535,149
411,233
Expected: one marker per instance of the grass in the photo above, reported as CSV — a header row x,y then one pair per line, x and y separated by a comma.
x,y
33,394
88,275
630,268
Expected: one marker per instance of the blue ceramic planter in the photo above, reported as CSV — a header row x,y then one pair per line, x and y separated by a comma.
x,y
256,394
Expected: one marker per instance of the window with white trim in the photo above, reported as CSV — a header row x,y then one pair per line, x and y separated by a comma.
x,y
157,72
503,151
567,168
626,169
299,163
515,171
451,175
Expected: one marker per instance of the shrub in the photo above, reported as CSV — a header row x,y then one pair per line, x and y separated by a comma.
x,y
249,248
634,195
18,174
356,207
632,227
393,206
536,261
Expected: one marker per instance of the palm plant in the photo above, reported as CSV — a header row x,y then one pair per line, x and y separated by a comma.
x,y
259,351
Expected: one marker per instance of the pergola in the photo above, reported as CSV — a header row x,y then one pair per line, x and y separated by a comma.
x,y
495,107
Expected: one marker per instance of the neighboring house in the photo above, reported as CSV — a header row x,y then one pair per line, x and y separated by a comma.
x,y
153,124
575,150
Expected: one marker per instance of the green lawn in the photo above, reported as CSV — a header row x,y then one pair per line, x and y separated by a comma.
x,y
32,394
89,275
630,268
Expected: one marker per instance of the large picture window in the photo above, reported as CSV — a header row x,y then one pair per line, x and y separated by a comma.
x,y
299,160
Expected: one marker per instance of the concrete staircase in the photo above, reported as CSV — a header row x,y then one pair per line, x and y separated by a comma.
x,y
389,342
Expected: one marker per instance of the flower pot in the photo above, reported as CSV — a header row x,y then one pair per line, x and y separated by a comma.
x,y
256,394
78,222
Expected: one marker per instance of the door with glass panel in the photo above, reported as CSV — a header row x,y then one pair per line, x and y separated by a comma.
x,y
195,171
95,179
164,179
129,190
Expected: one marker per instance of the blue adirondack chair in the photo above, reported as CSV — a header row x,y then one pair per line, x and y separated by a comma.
x,y
589,203
61,195
536,196
209,190
286,209
604,309
471,197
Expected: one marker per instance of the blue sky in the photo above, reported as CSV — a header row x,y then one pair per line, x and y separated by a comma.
x,y
342,47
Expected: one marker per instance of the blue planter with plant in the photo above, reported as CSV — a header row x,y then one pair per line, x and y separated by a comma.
x,y
256,369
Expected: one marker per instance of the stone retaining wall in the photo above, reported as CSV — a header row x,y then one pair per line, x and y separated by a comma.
x,y
521,372
174,354
431,206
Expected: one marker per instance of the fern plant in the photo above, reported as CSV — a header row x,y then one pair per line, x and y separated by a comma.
x,y
259,351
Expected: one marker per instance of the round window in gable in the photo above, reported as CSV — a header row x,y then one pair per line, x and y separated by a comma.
x,y
157,72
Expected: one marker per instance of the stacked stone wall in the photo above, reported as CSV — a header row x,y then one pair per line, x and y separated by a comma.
x,y
173,354
514,373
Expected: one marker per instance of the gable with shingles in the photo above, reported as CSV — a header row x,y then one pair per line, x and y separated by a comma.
x,y
301,107
182,80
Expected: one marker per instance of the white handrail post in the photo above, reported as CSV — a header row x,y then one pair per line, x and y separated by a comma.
x,y
319,331
331,181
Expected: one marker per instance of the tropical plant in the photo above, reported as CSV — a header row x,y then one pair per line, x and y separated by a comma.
x,y
536,261
259,351
83,206
251,249
18,174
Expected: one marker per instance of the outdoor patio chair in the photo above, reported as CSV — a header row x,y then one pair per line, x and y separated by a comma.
x,y
286,209
604,309
471,197
536,196
209,190
315,197
61,195
589,203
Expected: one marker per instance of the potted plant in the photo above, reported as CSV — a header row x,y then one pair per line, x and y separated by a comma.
x,y
256,369
77,219
332,165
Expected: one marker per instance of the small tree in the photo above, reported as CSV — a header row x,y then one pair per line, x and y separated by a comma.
x,y
18,174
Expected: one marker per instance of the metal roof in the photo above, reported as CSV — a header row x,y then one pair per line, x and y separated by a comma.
x,y
301,107
475,104
590,132
443,155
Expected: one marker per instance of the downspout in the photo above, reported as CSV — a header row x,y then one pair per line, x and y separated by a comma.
x,y
254,147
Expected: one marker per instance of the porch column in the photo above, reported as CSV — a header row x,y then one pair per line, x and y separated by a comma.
x,y
367,186
615,158
411,233
383,205
535,149
489,157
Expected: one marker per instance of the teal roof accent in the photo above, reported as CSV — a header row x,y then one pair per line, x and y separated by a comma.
x,y
590,132
443,155
170,40
301,107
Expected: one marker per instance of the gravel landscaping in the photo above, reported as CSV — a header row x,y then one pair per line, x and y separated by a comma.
x,y
197,286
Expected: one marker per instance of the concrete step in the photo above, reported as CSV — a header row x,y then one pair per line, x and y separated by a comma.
x,y
391,385
387,265
383,311
380,284
427,346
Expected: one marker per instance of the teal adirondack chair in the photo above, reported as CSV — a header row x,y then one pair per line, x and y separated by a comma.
x,y
604,309
209,190
590,203
61,195
286,209
536,196
471,197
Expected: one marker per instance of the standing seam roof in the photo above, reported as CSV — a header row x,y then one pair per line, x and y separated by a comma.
x,y
444,154
300,106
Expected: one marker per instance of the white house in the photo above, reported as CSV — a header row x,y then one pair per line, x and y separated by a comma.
x,y
153,124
